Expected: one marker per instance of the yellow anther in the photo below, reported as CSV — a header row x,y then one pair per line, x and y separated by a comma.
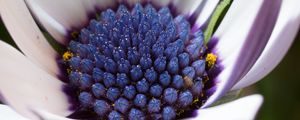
x,y
67,56
195,101
211,59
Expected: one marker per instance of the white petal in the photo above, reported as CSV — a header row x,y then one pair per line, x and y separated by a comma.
x,y
9,114
205,13
280,41
43,115
242,35
242,109
161,2
187,6
26,87
27,35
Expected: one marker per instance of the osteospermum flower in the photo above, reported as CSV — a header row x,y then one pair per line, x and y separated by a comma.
x,y
140,59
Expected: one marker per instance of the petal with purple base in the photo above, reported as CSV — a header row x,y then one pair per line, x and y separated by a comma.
x,y
280,41
202,14
246,28
27,35
25,87
242,109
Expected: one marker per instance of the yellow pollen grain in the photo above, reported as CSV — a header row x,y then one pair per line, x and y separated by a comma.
x,y
195,101
67,56
211,59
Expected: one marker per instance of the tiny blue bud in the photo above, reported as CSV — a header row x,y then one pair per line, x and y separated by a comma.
x,y
146,61
108,16
101,107
189,72
122,80
133,56
136,73
97,75
75,63
123,66
185,98
98,90
151,75
170,95
140,100
74,78
100,60
177,82
114,115
129,92
173,66
110,66
168,113
199,67
156,90
86,65
112,93
160,64
165,78
109,79
84,36
153,105
183,59
86,99
164,15
85,81
121,105
136,114
157,49
197,87
142,86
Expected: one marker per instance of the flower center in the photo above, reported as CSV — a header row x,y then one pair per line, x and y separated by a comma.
x,y
142,64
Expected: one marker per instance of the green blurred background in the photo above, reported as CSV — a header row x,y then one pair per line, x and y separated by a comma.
x,y
281,88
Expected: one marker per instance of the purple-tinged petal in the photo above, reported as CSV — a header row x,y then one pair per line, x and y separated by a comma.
x,y
242,109
187,7
27,35
9,114
25,87
242,35
44,115
203,13
161,3
280,41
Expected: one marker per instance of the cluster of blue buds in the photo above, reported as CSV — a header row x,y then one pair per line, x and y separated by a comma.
x,y
137,64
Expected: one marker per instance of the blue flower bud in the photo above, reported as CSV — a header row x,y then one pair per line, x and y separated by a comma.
x,y
123,66
100,60
85,81
170,95
122,80
156,90
122,105
129,92
164,78
142,86
140,100
112,93
109,79
86,99
75,63
98,90
86,65
74,78
114,115
160,64
146,61
199,67
177,82
185,98
168,113
97,75
110,66
136,114
173,66
136,73
101,107
151,75
184,60
153,105
133,56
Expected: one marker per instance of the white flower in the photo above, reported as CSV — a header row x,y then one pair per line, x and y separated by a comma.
x,y
250,41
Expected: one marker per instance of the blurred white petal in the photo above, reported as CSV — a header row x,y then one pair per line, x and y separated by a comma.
x,y
25,87
27,35
9,114
242,109
282,37
206,12
186,6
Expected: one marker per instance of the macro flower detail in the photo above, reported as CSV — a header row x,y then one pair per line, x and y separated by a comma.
x,y
146,49
139,59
